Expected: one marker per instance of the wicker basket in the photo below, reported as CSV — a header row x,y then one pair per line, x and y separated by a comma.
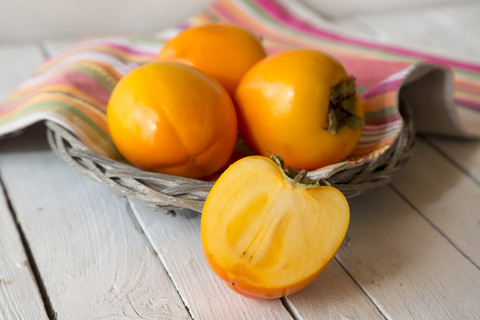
x,y
167,192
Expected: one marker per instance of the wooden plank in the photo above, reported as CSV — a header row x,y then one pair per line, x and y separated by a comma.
x,y
17,63
19,294
92,259
447,197
52,47
469,120
333,295
464,153
404,264
177,241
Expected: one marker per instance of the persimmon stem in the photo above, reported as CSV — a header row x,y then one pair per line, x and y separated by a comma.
x,y
342,107
294,176
299,177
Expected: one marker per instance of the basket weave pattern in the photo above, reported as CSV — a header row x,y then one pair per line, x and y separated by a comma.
x,y
167,192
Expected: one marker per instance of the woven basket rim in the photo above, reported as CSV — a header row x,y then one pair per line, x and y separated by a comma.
x,y
168,192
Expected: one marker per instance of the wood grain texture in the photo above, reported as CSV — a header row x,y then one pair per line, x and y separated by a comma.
x,y
17,63
19,295
447,197
177,242
52,47
463,153
333,295
177,239
413,249
93,261
404,264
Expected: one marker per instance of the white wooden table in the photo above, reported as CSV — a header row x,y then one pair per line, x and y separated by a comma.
x,y
71,249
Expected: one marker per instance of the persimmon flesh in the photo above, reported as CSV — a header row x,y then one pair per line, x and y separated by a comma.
x,y
267,235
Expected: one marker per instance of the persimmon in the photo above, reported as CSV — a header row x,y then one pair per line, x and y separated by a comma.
x,y
171,118
301,104
269,233
223,51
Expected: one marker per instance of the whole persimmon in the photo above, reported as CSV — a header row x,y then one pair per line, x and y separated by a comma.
x,y
268,233
168,117
223,51
301,104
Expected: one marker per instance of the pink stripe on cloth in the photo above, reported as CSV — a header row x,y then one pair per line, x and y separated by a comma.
x,y
384,121
107,45
227,15
82,83
468,103
383,87
72,79
369,72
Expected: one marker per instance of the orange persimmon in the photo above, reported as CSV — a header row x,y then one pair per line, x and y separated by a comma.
x,y
223,51
301,104
171,118
268,233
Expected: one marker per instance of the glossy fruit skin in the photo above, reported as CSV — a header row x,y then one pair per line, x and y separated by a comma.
x,y
266,236
223,51
282,104
168,117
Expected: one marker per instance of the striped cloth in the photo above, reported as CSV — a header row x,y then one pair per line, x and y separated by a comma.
x,y
73,86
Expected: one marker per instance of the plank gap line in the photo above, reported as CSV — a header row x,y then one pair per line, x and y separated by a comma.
x,y
44,50
433,225
432,144
52,315
290,308
131,211
364,290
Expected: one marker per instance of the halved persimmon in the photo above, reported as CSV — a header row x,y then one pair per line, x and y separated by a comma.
x,y
268,235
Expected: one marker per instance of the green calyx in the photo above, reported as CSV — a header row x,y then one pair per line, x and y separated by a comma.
x,y
342,107
297,177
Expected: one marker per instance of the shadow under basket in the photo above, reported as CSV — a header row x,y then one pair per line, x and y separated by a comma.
x,y
168,192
